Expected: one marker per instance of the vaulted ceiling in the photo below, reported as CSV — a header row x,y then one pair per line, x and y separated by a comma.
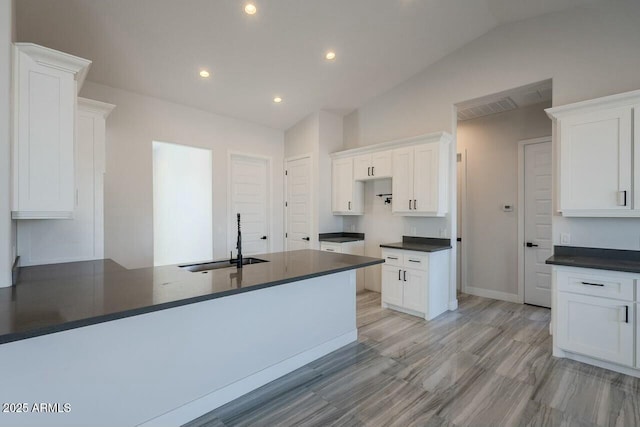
x,y
158,47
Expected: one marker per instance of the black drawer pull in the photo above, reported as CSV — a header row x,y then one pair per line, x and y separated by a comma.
x,y
391,257
593,284
329,250
413,260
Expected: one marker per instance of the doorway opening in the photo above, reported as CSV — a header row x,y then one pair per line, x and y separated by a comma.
x,y
182,204
491,262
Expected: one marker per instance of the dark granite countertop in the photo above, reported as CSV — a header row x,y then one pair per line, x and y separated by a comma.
x,y
597,258
58,297
341,237
421,244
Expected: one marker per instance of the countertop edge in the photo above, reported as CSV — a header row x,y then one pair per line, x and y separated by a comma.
x,y
623,269
434,249
74,324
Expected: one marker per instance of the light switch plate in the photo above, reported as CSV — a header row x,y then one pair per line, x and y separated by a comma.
x,y
565,238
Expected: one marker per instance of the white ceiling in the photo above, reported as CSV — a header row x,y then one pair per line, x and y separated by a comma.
x,y
156,47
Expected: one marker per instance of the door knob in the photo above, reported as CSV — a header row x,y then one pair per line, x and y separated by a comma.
x,y
531,245
263,238
305,238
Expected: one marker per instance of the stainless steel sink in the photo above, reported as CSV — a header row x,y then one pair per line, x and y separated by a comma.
x,y
216,265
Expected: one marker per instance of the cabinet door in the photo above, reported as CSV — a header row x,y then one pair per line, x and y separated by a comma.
x,y
331,247
414,290
342,184
425,178
44,146
597,327
392,285
595,161
636,158
362,167
381,163
637,314
402,186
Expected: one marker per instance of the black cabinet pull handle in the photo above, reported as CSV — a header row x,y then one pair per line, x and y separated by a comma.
x,y
593,284
369,171
626,314
392,257
372,171
409,204
415,206
349,205
413,260
405,275
329,250
531,245
399,272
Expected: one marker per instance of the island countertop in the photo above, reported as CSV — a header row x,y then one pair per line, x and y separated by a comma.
x,y
58,297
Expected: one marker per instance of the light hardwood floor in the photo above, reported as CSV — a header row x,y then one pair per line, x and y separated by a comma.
x,y
487,364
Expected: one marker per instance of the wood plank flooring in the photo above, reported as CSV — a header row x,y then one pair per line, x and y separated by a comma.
x,y
487,364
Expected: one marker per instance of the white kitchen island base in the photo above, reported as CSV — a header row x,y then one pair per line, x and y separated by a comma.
x,y
170,366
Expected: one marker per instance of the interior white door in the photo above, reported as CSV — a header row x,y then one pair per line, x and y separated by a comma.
x,y
250,198
298,204
537,223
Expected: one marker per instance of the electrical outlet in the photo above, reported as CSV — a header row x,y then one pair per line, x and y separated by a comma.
x,y
565,238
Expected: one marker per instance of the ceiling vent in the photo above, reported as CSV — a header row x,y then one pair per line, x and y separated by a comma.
x,y
494,107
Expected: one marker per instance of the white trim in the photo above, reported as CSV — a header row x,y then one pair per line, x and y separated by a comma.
x,y
269,204
313,238
211,401
489,293
41,215
97,107
520,243
464,225
617,100
398,143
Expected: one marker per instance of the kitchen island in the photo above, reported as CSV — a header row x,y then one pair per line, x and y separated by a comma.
x,y
163,345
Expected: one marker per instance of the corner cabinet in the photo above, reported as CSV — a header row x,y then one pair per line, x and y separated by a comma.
x,y
418,167
347,194
415,283
45,89
598,160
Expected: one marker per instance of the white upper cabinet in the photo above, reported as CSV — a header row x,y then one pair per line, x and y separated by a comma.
x,y
420,180
45,92
595,148
347,194
372,166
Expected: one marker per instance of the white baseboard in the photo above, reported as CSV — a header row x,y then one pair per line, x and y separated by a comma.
x,y
453,305
217,398
488,293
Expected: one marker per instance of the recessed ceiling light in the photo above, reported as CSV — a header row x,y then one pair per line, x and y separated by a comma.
x,y
250,9
331,55
277,100
204,74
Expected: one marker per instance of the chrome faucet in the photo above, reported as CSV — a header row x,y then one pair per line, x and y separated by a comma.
x,y
239,245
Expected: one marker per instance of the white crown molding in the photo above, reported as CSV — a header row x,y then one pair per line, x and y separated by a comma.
x,y
404,142
94,106
47,57
617,100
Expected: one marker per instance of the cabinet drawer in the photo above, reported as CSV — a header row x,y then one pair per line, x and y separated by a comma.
x,y
393,257
331,247
417,260
600,284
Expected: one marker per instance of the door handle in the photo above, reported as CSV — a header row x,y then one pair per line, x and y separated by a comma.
x,y
263,238
531,245
305,238
405,275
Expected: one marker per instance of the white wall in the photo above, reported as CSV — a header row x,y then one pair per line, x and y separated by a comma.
x,y
137,121
491,238
589,52
7,226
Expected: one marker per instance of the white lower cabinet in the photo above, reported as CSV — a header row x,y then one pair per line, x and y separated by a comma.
x,y
351,248
416,283
596,327
595,317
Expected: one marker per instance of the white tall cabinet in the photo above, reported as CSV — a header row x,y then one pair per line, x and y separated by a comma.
x,y
599,156
82,237
45,87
